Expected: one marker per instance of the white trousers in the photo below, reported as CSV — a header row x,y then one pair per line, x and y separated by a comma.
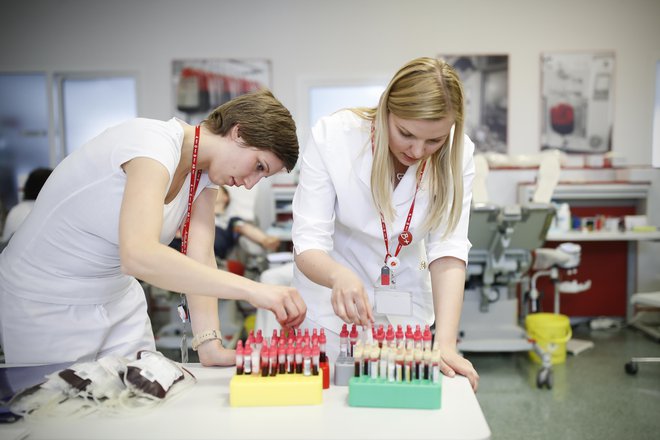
x,y
36,332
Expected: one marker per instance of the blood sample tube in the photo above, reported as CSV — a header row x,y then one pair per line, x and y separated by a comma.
x,y
322,341
255,361
435,360
290,359
272,360
418,356
343,341
408,366
357,357
316,354
365,358
427,338
247,359
239,357
400,355
264,360
383,361
391,366
399,335
380,336
389,336
418,337
427,364
373,361
299,359
353,339
307,361
281,357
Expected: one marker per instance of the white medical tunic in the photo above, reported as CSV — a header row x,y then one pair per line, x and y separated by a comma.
x,y
333,211
63,296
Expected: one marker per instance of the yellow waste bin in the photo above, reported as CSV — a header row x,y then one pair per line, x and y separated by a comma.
x,y
551,332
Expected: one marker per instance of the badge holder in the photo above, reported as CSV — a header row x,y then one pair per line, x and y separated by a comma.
x,y
182,308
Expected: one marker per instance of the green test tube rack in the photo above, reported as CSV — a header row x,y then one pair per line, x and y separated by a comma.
x,y
379,393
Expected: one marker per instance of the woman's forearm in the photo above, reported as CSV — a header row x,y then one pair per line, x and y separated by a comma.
x,y
448,284
319,267
168,269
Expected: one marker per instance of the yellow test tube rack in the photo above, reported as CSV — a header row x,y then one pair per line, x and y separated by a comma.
x,y
280,390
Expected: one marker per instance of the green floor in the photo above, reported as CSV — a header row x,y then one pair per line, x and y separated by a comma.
x,y
592,397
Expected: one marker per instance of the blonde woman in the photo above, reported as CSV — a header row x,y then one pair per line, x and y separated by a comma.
x,y
382,208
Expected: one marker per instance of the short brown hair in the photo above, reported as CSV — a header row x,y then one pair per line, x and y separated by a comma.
x,y
263,123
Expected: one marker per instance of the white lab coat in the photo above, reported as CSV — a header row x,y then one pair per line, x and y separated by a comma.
x,y
333,211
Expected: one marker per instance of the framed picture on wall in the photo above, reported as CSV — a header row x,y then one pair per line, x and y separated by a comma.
x,y
486,85
577,101
200,85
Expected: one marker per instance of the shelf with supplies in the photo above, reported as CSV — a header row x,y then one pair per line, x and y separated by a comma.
x,y
609,256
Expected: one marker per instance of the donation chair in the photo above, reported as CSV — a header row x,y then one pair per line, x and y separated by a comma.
x,y
503,240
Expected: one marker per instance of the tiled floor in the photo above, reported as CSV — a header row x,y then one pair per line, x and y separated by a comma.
x,y
592,397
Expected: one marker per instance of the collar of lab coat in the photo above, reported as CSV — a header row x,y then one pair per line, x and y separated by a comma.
x,y
405,190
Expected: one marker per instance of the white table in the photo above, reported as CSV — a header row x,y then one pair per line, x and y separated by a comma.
x,y
203,412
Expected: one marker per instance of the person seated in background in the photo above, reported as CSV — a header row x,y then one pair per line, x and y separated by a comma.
x,y
18,213
229,229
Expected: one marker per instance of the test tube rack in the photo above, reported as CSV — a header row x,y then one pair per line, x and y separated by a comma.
x,y
364,391
280,390
344,370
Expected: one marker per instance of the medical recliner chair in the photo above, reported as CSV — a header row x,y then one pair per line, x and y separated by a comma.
x,y
503,241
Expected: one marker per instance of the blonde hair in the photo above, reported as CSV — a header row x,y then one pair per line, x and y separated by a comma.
x,y
428,89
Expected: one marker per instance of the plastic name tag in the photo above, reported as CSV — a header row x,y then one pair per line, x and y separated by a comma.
x,y
392,302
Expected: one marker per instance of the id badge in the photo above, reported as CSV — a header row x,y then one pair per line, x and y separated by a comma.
x,y
392,302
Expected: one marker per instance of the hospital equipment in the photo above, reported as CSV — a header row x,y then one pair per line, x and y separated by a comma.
x,y
506,246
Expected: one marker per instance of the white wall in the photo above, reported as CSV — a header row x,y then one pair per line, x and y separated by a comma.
x,y
349,39
309,40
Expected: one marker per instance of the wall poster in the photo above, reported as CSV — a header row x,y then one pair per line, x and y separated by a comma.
x,y
201,85
486,85
577,101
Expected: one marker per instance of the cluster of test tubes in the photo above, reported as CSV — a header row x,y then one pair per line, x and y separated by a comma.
x,y
292,353
392,355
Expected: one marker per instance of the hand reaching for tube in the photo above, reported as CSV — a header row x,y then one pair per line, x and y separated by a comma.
x,y
285,302
349,299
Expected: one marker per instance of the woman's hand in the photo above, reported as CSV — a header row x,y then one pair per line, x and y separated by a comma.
x,y
349,299
285,302
212,353
453,363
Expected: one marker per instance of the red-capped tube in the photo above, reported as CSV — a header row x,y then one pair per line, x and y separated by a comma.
x,y
322,341
239,357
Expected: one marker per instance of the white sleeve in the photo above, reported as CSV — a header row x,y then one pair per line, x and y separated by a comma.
x,y
145,138
314,201
456,244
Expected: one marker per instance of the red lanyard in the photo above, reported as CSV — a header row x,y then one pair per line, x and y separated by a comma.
x,y
405,238
195,175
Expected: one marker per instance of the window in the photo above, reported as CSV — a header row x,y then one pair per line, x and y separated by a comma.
x,y
90,104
